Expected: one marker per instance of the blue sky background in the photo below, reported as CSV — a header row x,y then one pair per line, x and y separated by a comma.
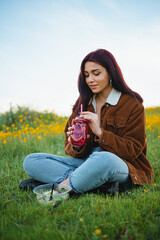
x,y
42,44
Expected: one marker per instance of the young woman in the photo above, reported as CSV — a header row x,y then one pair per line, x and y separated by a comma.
x,y
115,149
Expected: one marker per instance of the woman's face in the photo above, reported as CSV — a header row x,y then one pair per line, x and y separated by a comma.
x,y
97,78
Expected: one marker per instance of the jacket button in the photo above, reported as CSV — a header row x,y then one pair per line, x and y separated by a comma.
x,y
103,141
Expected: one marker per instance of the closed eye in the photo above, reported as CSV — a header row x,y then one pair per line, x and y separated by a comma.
x,y
86,75
96,74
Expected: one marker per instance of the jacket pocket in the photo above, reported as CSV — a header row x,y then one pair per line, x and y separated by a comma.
x,y
115,125
116,122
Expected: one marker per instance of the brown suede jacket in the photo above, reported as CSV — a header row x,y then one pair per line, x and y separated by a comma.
x,y
123,133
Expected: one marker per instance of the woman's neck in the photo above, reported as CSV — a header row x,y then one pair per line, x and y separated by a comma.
x,y
102,96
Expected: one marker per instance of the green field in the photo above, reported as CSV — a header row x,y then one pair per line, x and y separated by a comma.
x,y
132,215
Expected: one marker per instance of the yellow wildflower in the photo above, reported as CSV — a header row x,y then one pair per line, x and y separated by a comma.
x,y
104,236
97,231
81,219
39,137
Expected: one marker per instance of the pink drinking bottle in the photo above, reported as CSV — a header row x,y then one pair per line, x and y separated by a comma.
x,y
79,131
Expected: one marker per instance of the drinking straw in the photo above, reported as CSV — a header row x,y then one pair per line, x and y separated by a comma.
x,y
81,107
51,193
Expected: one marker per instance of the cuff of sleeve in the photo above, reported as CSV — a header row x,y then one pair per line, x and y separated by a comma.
x,y
76,151
103,139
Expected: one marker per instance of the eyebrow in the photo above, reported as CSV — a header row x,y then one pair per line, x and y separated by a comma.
x,y
94,70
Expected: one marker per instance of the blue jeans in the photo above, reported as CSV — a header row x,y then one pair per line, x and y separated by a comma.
x,y
84,174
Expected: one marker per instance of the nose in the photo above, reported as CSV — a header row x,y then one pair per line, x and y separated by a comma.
x,y
91,78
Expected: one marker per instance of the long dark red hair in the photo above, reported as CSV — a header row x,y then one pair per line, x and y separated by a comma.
x,y
107,60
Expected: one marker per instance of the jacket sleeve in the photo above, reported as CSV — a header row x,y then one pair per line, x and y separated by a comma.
x,y
131,141
70,149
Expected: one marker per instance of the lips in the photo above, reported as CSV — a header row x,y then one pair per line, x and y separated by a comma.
x,y
93,86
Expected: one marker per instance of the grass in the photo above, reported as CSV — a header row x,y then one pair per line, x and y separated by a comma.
x,y
132,215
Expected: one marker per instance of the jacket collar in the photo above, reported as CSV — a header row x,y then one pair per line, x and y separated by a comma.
x,y
112,98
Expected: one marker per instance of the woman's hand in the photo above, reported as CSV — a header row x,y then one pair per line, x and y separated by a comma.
x,y
93,122
69,133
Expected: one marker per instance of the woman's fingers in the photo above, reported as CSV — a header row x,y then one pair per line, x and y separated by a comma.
x,y
87,112
93,121
69,131
89,116
83,114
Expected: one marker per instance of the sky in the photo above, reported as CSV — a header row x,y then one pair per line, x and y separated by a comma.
x,y
42,44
